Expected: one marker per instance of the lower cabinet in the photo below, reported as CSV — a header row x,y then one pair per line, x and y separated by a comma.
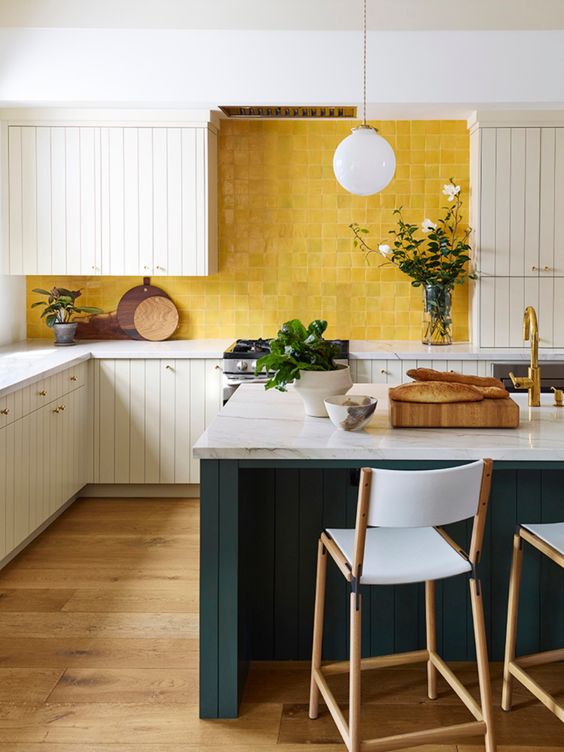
x,y
395,371
147,416
45,458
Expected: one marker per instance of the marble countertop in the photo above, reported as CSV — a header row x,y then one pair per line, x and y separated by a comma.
x,y
25,362
256,424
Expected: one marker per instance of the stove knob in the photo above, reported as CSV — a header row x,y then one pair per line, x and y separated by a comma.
x,y
242,365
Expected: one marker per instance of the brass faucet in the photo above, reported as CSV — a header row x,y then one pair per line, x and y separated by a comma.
x,y
532,381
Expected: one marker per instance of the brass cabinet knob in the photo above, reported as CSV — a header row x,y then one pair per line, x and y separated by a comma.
x,y
61,407
56,410
5,411
74,378
160,268
539,269
383,370
558,397
169,368
42,393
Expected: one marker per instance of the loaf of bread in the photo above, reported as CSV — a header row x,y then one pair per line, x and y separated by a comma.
x,y
493,392
429,374
436,392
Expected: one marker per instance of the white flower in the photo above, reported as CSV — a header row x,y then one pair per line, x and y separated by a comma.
x,y
451,191
384,249
427,225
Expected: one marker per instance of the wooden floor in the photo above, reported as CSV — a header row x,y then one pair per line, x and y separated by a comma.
x,y
98,653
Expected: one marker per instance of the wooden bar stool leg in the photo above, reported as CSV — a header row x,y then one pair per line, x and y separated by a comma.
x,y
354,677
512,613
482,660
431,629
318,617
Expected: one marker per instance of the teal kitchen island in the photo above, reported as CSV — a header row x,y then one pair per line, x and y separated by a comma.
x,y
272,479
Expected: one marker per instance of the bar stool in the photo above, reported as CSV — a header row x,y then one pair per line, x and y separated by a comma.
x,y
396,540
549,540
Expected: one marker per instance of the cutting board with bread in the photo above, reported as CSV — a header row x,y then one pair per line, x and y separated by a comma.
x,y
446,399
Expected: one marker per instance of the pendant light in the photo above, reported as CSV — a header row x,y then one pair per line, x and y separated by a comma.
x,y
364,162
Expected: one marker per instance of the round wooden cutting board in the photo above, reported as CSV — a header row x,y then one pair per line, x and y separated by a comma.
x,y
128,305
156,318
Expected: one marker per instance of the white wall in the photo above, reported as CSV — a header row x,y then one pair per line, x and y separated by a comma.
x,y
462,69
12,309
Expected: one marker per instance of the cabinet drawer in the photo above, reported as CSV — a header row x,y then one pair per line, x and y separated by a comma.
x,y
11,408
74,377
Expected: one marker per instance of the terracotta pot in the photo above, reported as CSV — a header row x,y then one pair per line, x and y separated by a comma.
x,y
315,386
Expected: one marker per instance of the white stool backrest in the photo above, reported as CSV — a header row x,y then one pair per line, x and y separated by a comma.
x,y
424,498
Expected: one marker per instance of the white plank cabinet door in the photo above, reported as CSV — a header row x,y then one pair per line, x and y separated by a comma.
x,y
148,415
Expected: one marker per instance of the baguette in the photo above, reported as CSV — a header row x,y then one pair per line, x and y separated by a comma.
x,y
438,392
429,374
493,392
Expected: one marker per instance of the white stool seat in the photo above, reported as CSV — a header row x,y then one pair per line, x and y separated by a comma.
x,y
394,556
550,532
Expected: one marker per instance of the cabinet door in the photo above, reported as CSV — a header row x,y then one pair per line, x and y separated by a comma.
x,y
53,200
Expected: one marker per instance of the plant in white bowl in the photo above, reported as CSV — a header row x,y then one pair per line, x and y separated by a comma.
x,y
301,355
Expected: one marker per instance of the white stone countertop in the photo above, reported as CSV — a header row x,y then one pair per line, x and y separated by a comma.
x,y
28,361
256,424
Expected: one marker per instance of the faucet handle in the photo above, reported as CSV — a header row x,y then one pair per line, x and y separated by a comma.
x,y
520,382
558,397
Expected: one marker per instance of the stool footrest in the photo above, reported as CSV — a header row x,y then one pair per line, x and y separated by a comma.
x,y
450,677
537,659
378,661
442,734
535,689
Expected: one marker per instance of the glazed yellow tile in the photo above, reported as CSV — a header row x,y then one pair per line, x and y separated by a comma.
x,y
284,243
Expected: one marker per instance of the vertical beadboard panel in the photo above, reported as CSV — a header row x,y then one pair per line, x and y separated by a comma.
x,y
29,201
43,206
182,445
106,265
58,201
517,172
115,201
21,480
189,218
209,250
406,365
146,241
15,217
89,192
10,484
488,202
558,312
500,323
201,201
152,420
137,422
167,413
214,390
131,190
160,197
363,371
545,310
96,438
3,453
532,199
122,412
516,307
558,264
197,411
106,401
469,367
73,203
487,311
546,231
503,198
35,450
174,194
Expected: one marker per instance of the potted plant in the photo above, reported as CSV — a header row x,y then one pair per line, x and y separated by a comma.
x,y
301,355
59,310
436,261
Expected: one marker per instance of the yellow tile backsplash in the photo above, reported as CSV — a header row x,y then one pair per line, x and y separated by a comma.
x,y
284,244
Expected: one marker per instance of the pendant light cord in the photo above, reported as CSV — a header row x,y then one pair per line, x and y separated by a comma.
x,y
364,70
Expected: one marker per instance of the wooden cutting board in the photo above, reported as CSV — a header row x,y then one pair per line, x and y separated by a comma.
x,y
488,413
128,305
156,318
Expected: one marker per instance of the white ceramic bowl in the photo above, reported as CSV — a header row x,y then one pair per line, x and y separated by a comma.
x,y
351,412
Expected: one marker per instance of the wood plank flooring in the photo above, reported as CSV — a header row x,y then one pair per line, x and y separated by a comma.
x,y
98,653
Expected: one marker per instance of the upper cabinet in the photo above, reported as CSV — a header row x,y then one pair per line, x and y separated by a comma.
x,y
110,198
517,181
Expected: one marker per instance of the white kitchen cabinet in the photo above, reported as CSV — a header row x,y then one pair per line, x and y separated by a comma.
x,y
148,414
111,199
45,455
395,371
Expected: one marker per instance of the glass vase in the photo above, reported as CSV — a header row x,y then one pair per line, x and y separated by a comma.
x,y
437,320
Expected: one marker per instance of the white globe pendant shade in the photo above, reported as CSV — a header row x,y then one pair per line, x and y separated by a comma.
x,y
364,162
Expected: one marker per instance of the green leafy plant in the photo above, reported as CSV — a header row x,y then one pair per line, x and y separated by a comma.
x,y
297,348
60,305
440,257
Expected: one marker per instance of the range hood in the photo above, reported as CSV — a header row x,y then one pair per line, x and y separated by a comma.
x,y
288,112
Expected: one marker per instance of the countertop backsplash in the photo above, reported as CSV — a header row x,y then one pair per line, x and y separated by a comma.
x,y
285,247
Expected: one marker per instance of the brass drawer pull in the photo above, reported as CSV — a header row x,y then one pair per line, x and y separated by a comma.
x,y
59,409
383,370
170,368
43,393
74,378
5,410
538,269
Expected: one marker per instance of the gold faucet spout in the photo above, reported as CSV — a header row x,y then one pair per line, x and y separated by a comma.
x,y
531,333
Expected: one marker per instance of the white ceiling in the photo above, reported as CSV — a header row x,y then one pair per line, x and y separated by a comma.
x,y
286,14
